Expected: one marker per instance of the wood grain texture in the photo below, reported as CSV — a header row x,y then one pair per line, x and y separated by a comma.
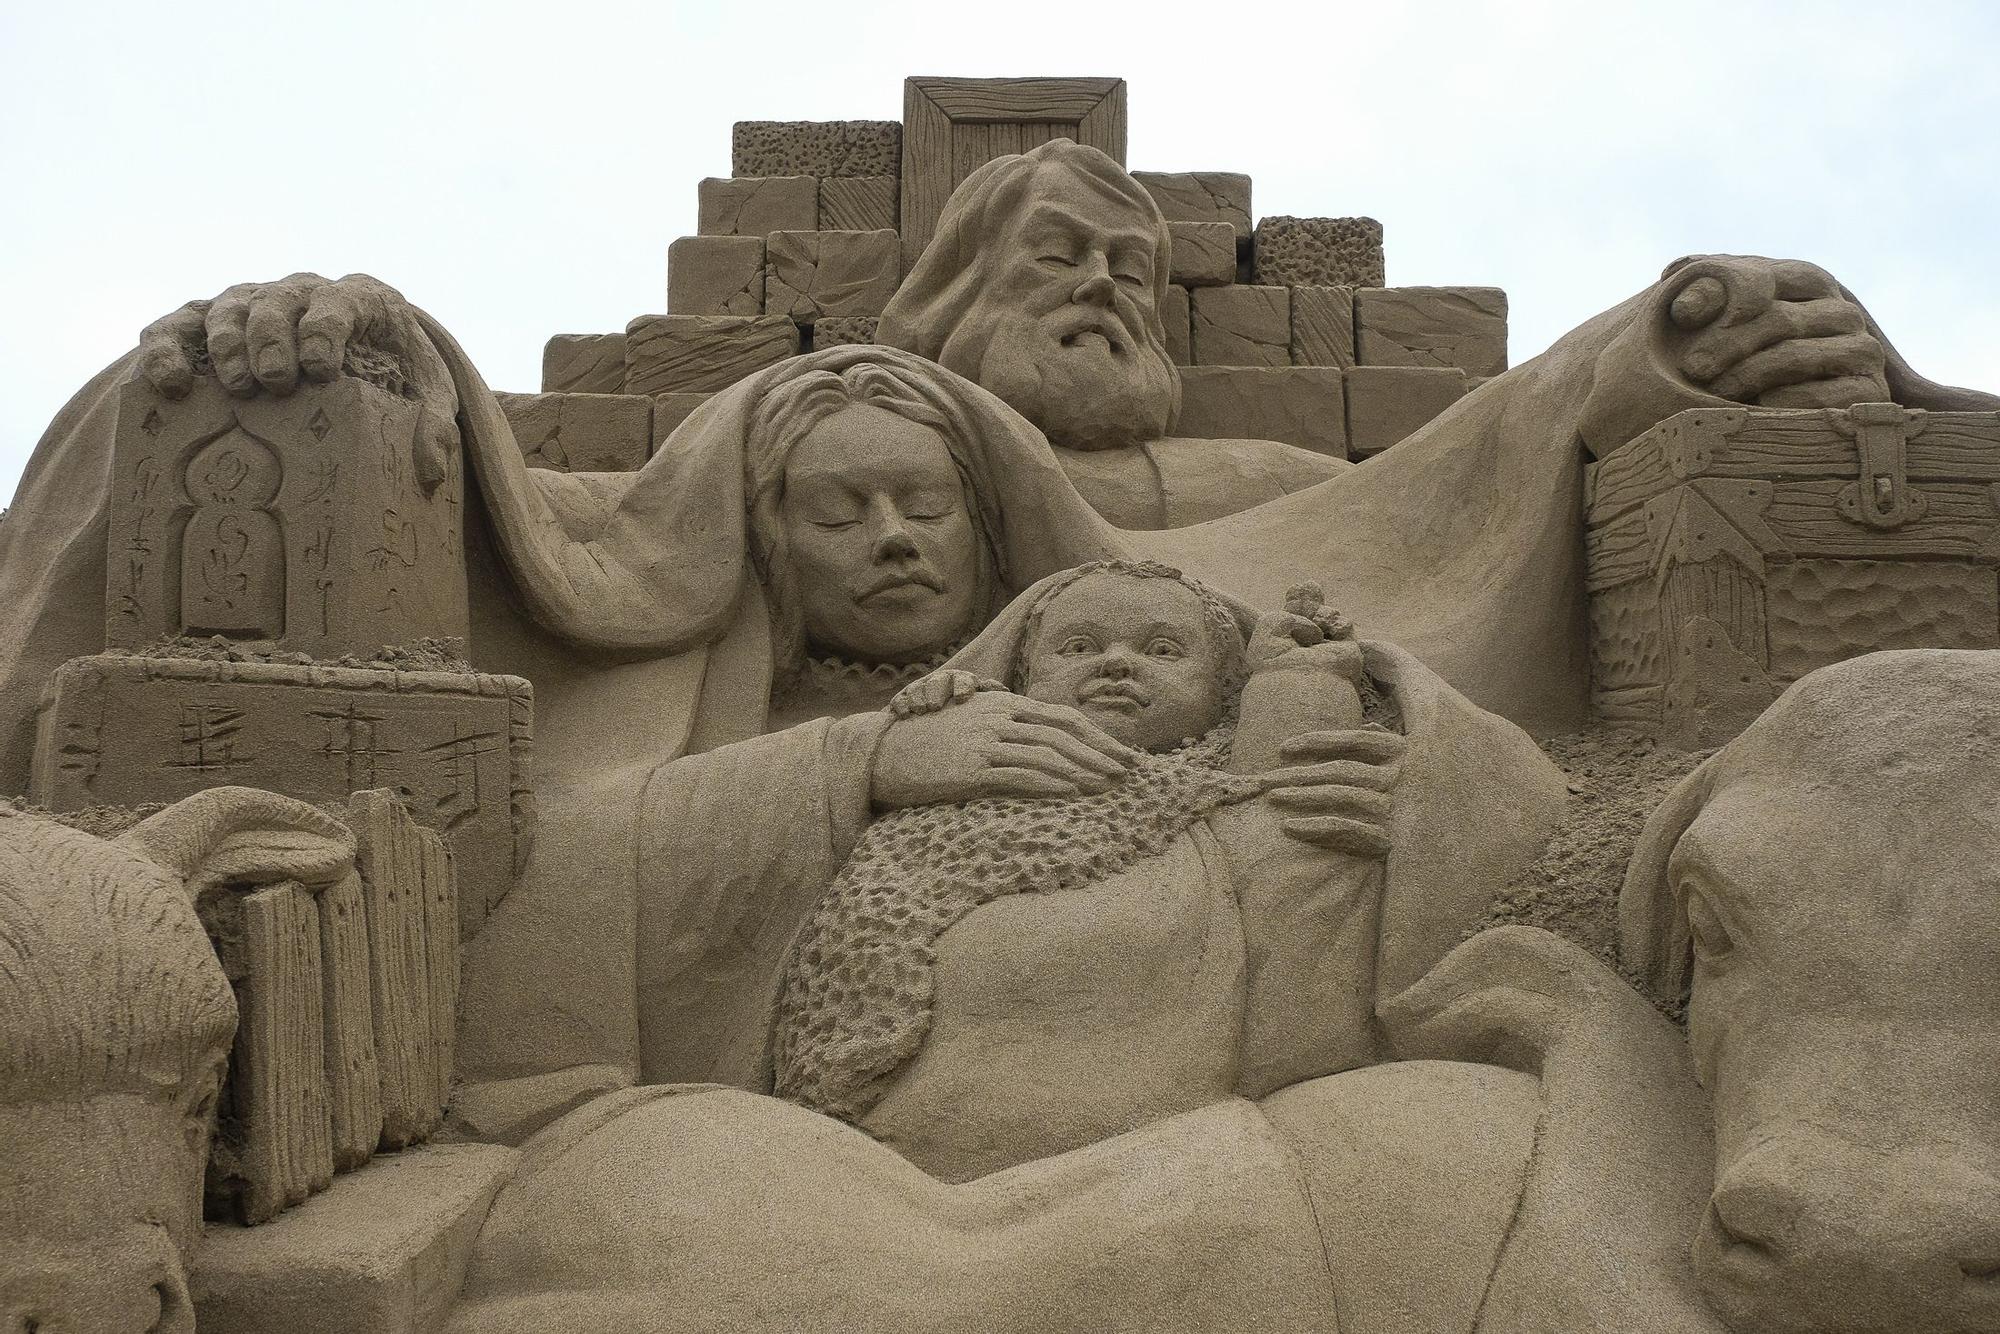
x,y
952,127
354,1081
441,959
280,1060
391,881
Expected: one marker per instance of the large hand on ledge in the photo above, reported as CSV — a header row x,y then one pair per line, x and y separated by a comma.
x,y
267,336
1775,333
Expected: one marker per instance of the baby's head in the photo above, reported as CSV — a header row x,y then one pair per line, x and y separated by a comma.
x,y
1146,653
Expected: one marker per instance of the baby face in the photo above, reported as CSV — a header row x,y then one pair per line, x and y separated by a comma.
x,y
1134,654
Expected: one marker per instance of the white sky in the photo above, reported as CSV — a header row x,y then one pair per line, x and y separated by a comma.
x,y
519,169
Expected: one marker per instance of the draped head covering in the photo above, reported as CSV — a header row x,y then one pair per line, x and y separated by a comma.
x,y
936,312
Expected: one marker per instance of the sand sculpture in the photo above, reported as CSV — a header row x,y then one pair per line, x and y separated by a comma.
x,y
954,780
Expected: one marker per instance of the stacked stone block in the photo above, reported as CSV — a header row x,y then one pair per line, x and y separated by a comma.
x,y
806,232
811,275
716,275
582,432
756,205
702,353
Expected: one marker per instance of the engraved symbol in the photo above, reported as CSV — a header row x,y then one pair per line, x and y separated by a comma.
x,y
398,544
320,482
350,734
319,425
457,759
152,424
232,554
209,733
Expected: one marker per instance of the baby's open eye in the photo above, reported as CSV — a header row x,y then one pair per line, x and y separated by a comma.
x,y
1165,648
1077,644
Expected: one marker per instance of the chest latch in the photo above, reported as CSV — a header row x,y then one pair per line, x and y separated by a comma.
x,y
1882,497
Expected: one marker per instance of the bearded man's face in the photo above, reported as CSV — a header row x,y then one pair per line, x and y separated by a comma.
x,y
1066,317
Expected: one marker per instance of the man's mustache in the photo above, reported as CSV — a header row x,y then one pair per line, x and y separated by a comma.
x,y
1071,322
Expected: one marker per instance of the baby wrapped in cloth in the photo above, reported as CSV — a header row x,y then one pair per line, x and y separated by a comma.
x,y
991,981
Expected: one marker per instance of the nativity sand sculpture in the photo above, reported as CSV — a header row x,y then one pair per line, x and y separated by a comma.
x,y
1002,819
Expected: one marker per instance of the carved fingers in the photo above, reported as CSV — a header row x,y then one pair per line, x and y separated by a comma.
x,y
939,690
265,337
1064,719
994,744
1778,333
170,348
1336,794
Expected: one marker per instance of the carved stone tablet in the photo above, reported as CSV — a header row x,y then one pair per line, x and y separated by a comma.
x,y
123,730
299,522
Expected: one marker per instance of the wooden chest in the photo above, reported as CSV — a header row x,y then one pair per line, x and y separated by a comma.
x,y
1732,550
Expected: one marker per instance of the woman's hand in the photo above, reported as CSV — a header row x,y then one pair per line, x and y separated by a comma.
x,y
1336,793
995,744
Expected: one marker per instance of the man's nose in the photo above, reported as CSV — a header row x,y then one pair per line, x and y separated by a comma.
x,y
1094,284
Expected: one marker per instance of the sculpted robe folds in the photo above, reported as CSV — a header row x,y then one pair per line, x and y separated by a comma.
x,y
629,602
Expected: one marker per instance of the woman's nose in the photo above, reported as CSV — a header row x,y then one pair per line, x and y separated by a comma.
x,y
890,532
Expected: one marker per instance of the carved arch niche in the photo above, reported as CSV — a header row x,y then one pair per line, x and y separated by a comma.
x,y
232,549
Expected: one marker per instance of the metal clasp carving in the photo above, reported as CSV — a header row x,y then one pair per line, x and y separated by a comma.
x,y
1883,497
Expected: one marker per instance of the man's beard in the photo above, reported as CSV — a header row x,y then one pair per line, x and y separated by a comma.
x,y
1084,393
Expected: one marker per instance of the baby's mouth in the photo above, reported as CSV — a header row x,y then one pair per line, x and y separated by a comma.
x,y
1120,695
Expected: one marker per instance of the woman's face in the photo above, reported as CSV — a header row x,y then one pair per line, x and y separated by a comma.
x,y
1134,655
885,555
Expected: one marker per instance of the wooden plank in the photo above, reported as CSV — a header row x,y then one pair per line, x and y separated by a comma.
x,y
392,893
1627,479
972,101
441,960
951,127
971,148
354,1088
1104,126
1630,706
1617,552
1960,521
927,180
1721,591
280,1057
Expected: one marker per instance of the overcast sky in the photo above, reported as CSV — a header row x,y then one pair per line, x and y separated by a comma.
x,y
519,169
